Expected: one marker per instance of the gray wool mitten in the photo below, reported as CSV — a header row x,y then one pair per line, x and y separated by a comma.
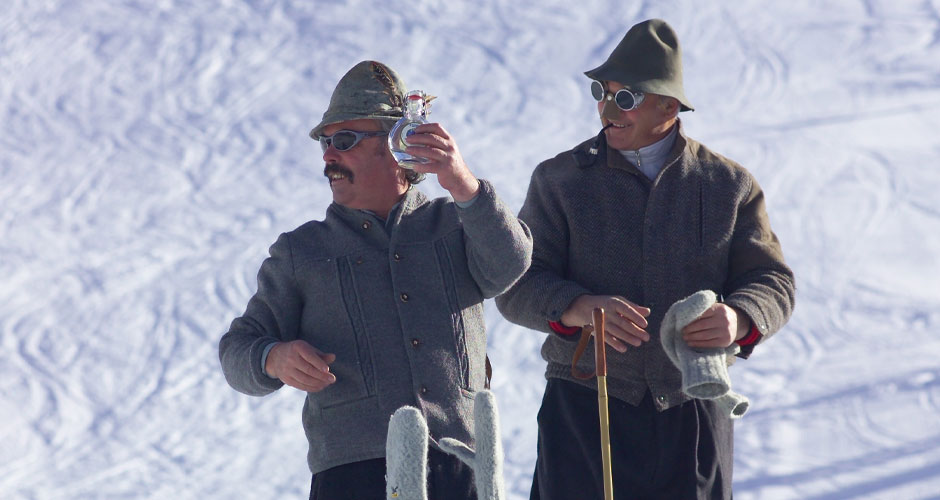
x,y
704,371
406,455
733,404
487,461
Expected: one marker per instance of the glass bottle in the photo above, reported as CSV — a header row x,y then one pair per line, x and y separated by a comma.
x,y
415,113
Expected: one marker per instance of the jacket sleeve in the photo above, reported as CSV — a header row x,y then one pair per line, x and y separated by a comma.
x,y
498,245
543,293
272,315
759,281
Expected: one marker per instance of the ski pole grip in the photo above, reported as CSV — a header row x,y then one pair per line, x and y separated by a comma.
x,y
600,353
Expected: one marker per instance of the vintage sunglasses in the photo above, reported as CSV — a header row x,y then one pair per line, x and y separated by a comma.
x,y
625,99
344,140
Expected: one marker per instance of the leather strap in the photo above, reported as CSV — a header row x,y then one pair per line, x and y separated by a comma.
x,y
579,350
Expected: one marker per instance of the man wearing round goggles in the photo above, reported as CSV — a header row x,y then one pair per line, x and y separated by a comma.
x,y
380,305
634,220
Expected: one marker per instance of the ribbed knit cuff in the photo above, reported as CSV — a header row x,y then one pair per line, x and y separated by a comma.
x,y
751,338
264,359
570,333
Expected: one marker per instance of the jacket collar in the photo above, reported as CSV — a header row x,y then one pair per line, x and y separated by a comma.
x,y
412,199
616,160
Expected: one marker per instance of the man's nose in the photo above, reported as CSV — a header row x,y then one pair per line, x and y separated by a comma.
x,y
610,111
331,154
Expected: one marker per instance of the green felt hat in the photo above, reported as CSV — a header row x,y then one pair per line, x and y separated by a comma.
x,y
648,59
369,90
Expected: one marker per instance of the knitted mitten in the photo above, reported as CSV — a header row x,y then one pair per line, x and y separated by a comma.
x,y
406,455
487,461
704,371
733,404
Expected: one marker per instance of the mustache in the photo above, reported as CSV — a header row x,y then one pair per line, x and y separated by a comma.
x,y
336,168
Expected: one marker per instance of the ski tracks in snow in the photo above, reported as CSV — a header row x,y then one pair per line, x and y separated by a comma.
x,y
852,198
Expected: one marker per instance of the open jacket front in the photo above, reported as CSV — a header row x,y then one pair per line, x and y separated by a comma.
x,y
601,227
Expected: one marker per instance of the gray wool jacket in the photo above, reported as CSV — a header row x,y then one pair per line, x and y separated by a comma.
x,y
402,309
602,227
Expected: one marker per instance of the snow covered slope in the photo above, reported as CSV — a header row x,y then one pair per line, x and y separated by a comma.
x,y
150,152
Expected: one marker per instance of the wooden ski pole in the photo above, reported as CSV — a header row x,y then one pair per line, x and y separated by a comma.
x,y
600,363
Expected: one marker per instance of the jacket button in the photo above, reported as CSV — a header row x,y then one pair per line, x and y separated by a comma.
x,y
396,256
404,297
415,342
424,390
662,399
359,260
366,224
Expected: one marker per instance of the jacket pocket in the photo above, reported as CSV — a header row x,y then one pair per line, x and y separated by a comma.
x,y
446,265
715,226
357,320
333,323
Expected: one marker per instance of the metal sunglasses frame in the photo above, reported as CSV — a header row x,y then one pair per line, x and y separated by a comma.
x,y
327,140
599,92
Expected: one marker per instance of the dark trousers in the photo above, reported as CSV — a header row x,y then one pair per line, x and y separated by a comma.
x,y
448,478
682,453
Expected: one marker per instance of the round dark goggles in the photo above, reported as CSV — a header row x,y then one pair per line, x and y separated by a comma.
x,y
344,140
625,100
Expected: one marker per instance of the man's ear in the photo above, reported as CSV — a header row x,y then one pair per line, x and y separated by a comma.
x,y
669,106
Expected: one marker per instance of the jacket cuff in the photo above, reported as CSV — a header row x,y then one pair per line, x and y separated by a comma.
x,y
264,359
749,342
471,201
751,338
569,333
482,206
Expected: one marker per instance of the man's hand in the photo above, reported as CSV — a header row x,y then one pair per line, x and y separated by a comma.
x,y
300,365
431,141
625,322
719,326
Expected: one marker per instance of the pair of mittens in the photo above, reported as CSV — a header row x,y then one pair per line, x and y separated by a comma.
x,y
406,451
704,371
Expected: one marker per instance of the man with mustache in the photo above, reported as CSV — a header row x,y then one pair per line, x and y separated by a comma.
x,y
634,220
380,305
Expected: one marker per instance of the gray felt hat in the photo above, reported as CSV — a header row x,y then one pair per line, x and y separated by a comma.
x,y
369,90
648,59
